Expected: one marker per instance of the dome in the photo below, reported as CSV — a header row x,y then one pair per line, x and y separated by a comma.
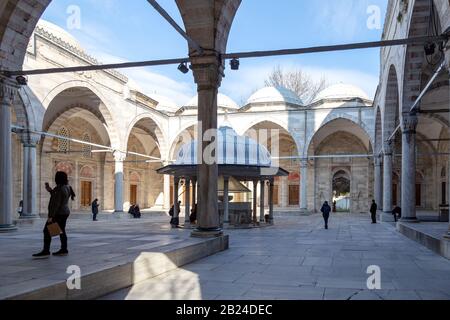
x,y
164,103
341,91
223,101
59,33
232,149
274,95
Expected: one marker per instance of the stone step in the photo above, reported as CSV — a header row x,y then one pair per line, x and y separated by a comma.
x,y
439,245
100,282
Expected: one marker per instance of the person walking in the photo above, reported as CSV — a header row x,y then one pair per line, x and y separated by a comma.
x,y
326,209
137,212
58,212
373,211
95,206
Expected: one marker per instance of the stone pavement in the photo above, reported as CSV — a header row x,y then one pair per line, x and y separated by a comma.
x,y
297,259
93,246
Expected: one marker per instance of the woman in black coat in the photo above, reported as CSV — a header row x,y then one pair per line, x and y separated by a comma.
x,y
58,212
326,209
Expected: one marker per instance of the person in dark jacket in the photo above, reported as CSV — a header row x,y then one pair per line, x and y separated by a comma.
x,y
137,212
193,216
397,213
95,206
373,211
326,209
58,212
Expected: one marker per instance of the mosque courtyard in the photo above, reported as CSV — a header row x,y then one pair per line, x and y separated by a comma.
x,y
296,259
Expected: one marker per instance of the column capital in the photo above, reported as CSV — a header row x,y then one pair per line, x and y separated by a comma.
x,y
8,91
29,139
304,163
119,156
208,72
377,160
388,148
409,123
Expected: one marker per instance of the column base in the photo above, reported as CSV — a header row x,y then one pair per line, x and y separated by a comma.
x,y
7,228
29,217
409,219
447,236
207,233
386,217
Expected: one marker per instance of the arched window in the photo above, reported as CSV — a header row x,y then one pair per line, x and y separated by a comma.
x,y
443,172
86,149
63,144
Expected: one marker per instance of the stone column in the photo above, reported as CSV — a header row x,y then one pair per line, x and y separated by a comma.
x,y
387,184
187,201
194,191
29,181
166,192
284,193
255,201
208,75
271,185
261,200
378,181
7,94
409,125
304,185
226,213
119,158
176,185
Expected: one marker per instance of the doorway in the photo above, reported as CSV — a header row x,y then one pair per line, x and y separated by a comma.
x,y
133,194
294,195
86,194
341,191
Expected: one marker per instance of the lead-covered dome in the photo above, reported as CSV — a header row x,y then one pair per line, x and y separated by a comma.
x,y
275,95
341,92
232,149
165,104
223,102
59,33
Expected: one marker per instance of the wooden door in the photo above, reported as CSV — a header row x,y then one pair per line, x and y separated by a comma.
x,y
294,195
418,195
394,194
133,194
86,193
275,195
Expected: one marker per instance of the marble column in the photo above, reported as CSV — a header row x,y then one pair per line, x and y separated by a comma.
x,y
166,192
187,200
7,94
261,200
304,185
194,191
176,208
409,125
119,158
207,75
387,183
271,185
226,213
378,181
255,201
29,181
284,192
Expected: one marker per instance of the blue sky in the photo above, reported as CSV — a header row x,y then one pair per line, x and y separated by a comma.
x,y
117,31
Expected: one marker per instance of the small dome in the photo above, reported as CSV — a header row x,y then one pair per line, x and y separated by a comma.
x,y
223,101
164,103
232,149
341,91
59,33
274,95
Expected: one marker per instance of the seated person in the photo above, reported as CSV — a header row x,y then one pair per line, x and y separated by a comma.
x,y
397,213
137,212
